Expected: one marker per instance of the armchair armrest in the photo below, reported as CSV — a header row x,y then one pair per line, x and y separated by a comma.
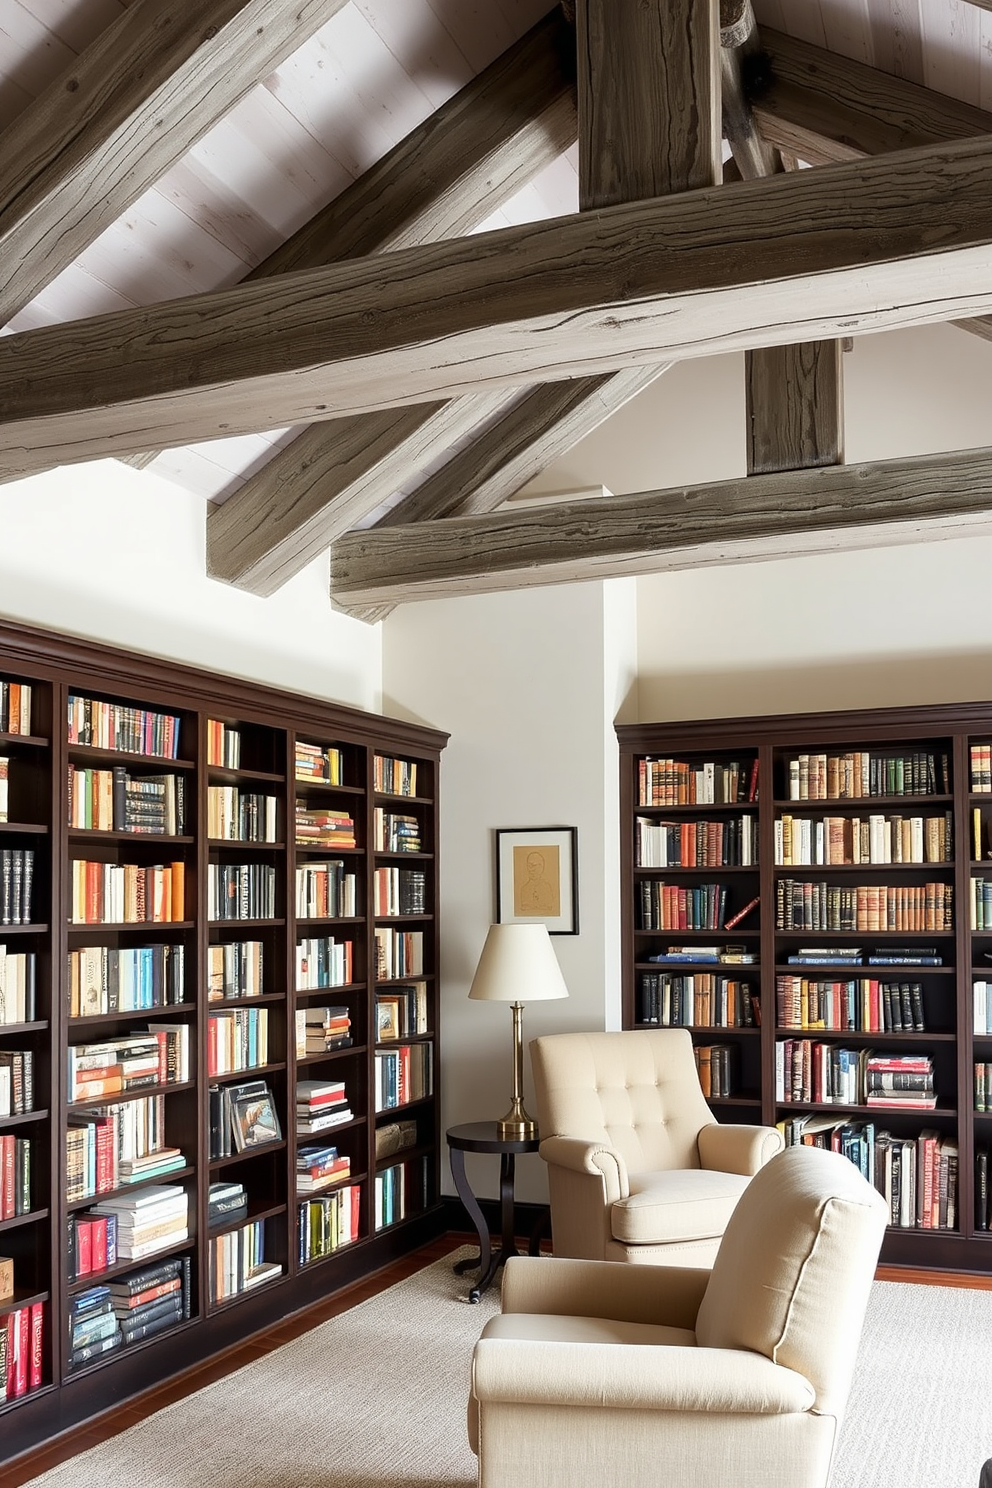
x,y
636,1377
666,1295
593,1158
738,1149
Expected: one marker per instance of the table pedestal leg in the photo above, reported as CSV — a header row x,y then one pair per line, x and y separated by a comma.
x,y
478,1219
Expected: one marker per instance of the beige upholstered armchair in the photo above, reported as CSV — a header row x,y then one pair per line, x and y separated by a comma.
x,y
637,1166
602,1376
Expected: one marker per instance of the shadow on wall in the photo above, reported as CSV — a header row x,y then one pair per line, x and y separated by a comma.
x,y
869,682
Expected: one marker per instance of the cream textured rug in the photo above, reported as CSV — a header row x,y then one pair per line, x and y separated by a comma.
x,y
375,1398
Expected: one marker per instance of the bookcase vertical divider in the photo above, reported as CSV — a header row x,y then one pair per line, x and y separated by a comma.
x,y
766,849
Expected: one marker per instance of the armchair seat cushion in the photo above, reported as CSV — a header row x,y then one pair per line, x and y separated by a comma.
x,y
541,1327
682,1204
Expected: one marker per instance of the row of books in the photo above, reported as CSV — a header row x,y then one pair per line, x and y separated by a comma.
x,y
716,1065
127,893
319,763
18,978
113,1315
322,961
980,763
983,1086
116,801
723,955
697,1000
917,1176
321,1030
16,885
804,905
91,1244
394,777
237,1040
840,840
125,979
235,815
241,891
16,1081
237,1262
401,1011
116,1145
696,844
398,953
234,969
400,891
15,1176
396,832
862,1004
22,1350
981,904
671,782
316,826
223,745
398,1191
326,1222
664,906
403,1075
119,726
859,773
130,1061
823,1074
15,707
326,891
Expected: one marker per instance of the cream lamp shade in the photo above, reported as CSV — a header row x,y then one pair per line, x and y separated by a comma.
x,y
518,964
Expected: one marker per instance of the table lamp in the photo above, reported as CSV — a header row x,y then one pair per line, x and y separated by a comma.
x,y
518,964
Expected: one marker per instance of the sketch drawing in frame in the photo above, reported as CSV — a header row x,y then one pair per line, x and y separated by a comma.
x,y
537,878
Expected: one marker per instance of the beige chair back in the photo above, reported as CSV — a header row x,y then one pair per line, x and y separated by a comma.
x,y
796,1289
637,1091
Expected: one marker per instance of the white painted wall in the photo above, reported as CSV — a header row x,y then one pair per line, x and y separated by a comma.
x,y
117,555
891,626
528,685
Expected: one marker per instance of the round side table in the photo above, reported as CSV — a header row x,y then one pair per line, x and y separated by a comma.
x,y
483,1136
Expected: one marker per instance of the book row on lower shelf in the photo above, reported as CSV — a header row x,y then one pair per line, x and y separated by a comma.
x,y
826,1074
237,1262
22,1344
114,1315
802,904
917,1176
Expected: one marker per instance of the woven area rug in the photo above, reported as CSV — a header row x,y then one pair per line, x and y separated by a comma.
x,y
376,1398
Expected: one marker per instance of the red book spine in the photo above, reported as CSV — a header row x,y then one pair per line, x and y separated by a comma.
x,y
11,1347
84,1247
98,1245
8,1201
37,1326
22,1350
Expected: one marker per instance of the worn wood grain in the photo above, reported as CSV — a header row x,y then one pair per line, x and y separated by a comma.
x,y
328,479
77,156
648,98
794,407
443,179
900,240
751,152
824,107
739,520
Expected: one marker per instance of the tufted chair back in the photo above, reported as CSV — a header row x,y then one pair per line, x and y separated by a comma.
x,y
637,1092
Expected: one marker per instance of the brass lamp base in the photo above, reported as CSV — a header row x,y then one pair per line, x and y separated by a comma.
x,y
516,1125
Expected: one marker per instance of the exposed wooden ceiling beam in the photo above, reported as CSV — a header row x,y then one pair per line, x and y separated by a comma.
x,y
648,98
824,108
444,178
740,520
751,152
88,146
899,240
342,471
794,407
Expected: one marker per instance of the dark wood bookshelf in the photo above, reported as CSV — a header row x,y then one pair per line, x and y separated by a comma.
x,y
268,722
949,734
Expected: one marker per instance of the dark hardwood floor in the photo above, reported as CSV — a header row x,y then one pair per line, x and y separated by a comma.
x,y
22,1469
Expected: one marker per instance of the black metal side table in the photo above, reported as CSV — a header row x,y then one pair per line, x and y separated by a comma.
x,y
483,1136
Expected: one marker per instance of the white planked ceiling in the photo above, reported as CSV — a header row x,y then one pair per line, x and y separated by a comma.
x,y
351,92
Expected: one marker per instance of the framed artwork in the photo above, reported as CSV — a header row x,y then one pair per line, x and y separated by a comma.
x,y
537,877
254,1119
387,1019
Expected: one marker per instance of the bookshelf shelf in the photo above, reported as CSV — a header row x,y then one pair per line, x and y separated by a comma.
x,y
920,825
235,748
